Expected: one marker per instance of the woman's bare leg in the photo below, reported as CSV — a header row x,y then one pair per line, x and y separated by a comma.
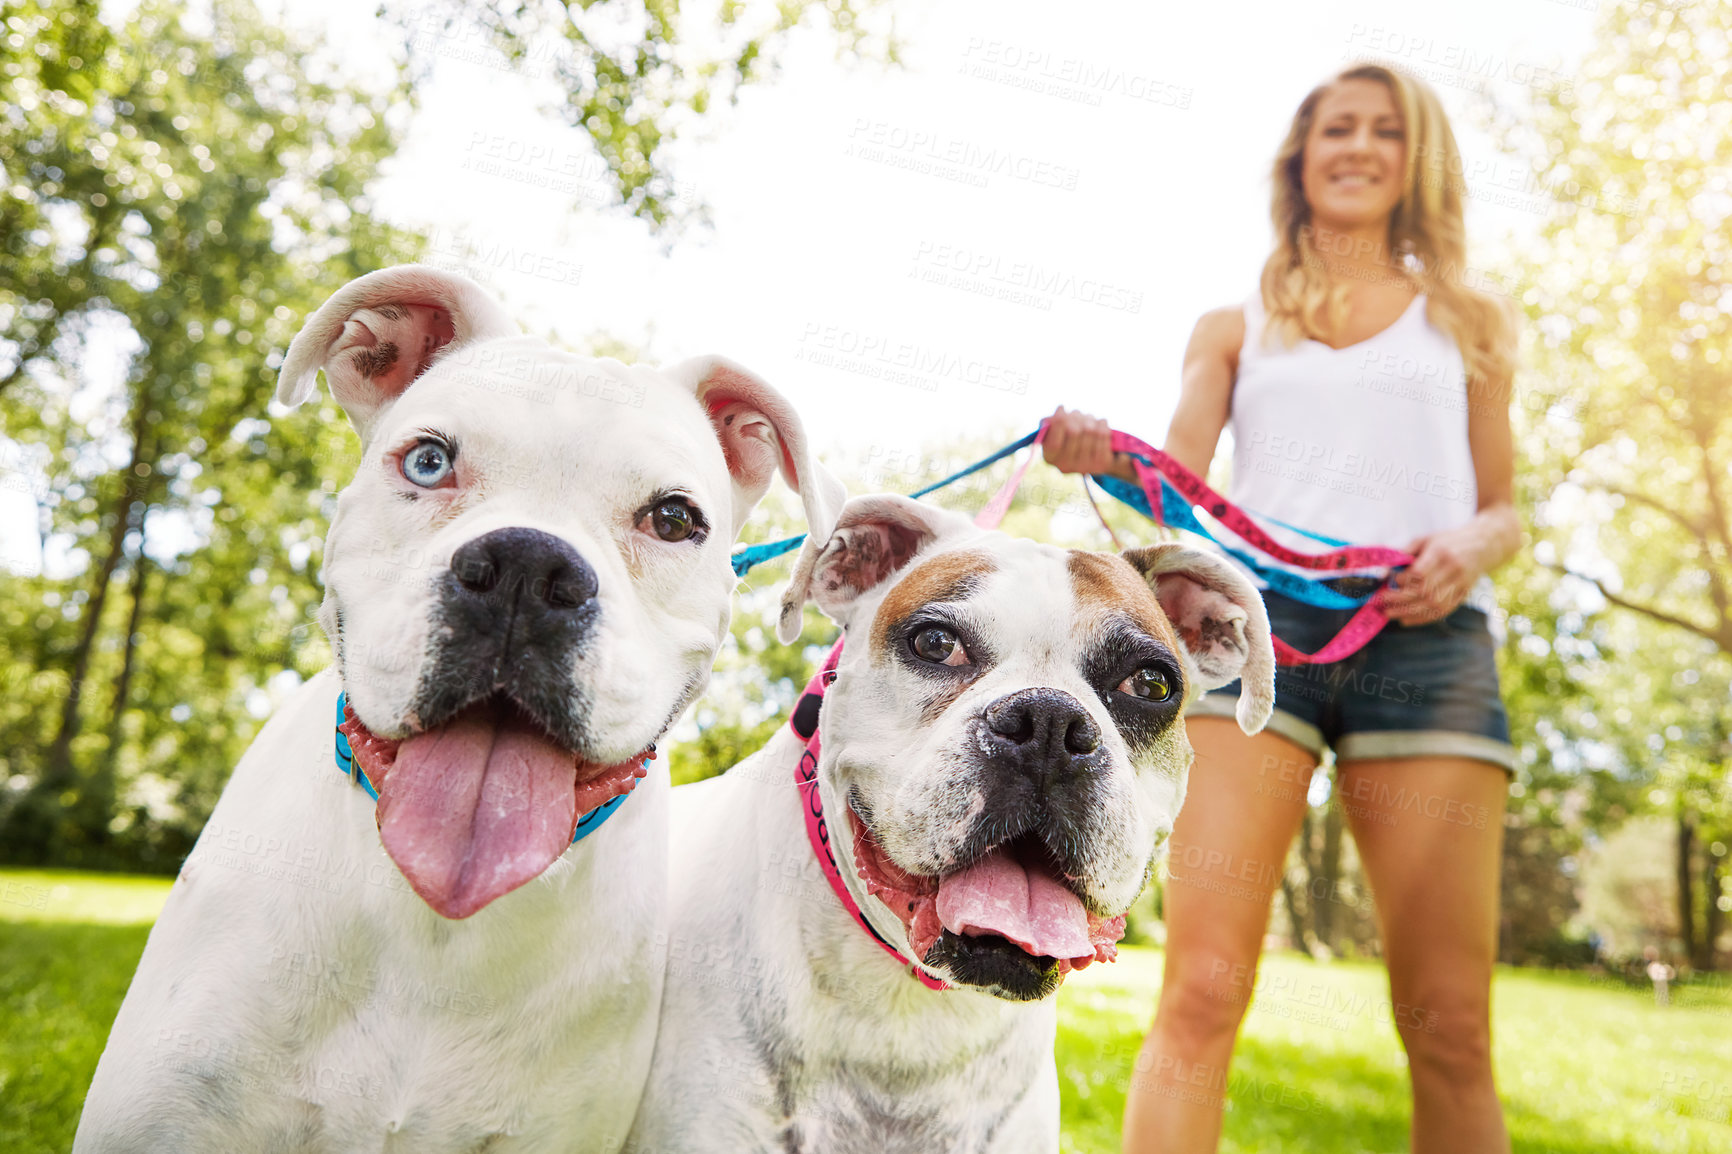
x,y
1430,834
1244,803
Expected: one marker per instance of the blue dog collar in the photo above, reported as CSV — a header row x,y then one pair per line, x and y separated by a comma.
x,y
351,769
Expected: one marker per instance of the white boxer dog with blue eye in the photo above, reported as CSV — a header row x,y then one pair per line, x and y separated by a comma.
x,y
1002,755
525,585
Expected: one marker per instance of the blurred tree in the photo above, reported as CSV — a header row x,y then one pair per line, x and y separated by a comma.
x,y
179,194
1569,782
182,186
1627,888
636,74
1324,900
1627,434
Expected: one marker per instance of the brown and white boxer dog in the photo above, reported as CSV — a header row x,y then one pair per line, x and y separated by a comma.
x,y
1001,755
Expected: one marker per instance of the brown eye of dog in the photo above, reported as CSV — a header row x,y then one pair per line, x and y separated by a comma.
x,y
1148,683
673,520
937,645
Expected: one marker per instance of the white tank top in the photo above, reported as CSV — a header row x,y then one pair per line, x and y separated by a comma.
x,y
1367,444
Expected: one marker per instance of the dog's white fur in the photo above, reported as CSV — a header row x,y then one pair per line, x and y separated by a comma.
x,y
296,994
784,1027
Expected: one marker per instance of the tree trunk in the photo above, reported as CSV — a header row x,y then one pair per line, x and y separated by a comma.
x,y
103,784
59,773
1303,904
1686,880
1326,880
1296,919
1713,918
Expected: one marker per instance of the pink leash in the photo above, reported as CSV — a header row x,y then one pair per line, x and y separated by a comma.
x,y
1360,628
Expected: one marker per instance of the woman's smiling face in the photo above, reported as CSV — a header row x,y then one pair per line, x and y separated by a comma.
x,y
1355,155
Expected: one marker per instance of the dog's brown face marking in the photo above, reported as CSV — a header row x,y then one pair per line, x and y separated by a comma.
x,y
947,577
1114,599
1106,585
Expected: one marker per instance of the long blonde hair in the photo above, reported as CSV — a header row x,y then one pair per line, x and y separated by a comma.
x,y
1426,238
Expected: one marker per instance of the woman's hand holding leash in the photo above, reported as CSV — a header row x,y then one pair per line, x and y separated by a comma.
x,y
1445,567
1079,443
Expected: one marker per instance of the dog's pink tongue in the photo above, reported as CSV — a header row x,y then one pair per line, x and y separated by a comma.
x,y
996,895
475,808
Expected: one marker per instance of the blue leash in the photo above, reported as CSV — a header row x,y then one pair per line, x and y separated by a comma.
x,y
349,768
754,555
1175,511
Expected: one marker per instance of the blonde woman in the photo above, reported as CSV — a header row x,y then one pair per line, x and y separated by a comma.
x,y
1366,385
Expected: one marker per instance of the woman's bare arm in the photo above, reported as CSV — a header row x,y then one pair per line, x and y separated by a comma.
x,y
1080,443
1206,388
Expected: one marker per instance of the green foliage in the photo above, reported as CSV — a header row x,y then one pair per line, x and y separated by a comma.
x,y
181,194
1618,673
1627,884
181,188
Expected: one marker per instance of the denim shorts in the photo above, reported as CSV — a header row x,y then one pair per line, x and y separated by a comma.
x,y
1412,691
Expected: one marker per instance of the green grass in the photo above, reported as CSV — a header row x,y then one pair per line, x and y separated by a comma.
x,y
1584,1067
68,946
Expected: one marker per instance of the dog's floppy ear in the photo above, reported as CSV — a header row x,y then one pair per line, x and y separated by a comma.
x,y
1219,617
760,433
875,536
379,332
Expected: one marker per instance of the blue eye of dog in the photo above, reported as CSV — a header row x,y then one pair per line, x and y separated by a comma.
x,y
428,463
934,643
1149,683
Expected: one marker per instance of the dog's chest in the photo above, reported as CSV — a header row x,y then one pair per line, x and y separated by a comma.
x,y
859,1112
506,1042
450,1063
887,1082
445,1047
848,1114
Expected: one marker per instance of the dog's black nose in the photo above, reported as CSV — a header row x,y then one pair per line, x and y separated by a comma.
x,y
516,612
1045,733
536,570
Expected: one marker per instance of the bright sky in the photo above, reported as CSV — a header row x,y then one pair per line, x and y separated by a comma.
x,y
1033,210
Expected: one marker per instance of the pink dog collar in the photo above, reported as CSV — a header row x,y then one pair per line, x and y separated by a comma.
x,y
804,722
